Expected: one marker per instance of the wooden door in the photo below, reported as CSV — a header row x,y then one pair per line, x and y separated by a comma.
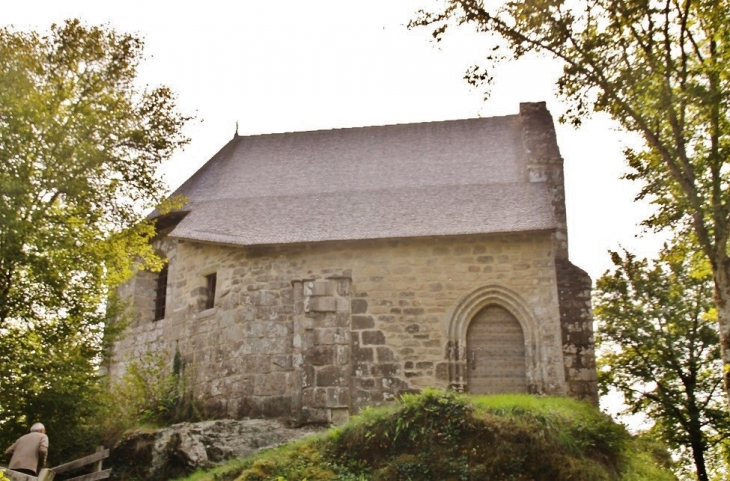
x,y
495,353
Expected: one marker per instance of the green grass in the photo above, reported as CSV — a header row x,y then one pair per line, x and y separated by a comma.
x,y
446,436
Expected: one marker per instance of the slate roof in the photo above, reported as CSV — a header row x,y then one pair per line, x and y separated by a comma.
x,y
406,180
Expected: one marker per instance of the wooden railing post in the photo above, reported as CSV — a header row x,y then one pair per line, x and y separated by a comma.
x,y
97,465
46,475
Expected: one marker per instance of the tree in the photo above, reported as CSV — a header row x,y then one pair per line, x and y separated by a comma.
x,y
659,349
80,144
660,68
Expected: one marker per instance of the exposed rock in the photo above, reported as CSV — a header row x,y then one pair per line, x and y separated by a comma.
x,y
183,448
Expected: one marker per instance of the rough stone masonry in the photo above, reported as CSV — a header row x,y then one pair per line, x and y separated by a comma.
x,y
346,267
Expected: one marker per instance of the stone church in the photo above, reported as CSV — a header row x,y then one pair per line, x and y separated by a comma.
x,y
313,273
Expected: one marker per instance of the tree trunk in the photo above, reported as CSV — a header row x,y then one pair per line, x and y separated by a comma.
x,y
698,453
696,440
721,268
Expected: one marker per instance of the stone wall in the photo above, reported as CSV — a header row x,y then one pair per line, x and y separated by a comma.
x,y
315,332
545,164
576,316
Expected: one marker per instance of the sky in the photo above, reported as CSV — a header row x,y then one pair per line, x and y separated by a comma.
x,y
289,65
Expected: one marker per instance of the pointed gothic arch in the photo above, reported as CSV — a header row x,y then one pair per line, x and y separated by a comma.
x,y
463,313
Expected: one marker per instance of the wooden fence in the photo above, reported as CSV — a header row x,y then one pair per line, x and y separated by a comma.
x,y
48,474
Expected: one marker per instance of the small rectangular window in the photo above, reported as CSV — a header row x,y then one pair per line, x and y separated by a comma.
x,y
210,290
161,294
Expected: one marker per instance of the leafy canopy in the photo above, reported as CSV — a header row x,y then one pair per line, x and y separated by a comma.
x,y
659,349
80,143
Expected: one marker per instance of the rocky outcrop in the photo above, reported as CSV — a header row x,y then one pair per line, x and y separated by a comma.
x,y
182,448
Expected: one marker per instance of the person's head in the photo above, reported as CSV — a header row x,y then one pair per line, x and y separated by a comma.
x,y
38,428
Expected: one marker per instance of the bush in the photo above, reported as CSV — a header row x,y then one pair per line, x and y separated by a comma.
x,y
151,392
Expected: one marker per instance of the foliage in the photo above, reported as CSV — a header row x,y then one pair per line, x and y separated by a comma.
x,y
660,68
659,343
50,374
444,435
153,391
79,147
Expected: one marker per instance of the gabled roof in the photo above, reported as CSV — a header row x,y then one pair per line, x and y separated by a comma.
x,y
408,180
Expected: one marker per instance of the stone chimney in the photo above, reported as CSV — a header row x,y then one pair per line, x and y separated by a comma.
x,y
544,164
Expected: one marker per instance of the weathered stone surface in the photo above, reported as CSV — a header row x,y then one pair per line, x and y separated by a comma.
x,y
323,287
182,448
576,320
323,304
362,322
359,306
373,337
320,355
363,354
331,376
259,350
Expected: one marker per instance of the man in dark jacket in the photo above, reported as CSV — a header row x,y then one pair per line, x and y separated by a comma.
x,y
28,454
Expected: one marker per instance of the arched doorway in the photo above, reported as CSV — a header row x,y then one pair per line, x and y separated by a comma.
x,y
495,350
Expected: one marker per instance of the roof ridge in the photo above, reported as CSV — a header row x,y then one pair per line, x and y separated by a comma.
x,y
374,126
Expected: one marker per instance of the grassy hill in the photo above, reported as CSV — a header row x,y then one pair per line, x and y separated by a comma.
x,y
446,436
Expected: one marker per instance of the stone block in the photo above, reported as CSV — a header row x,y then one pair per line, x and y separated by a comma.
x,y
413,311
362,398
362,322
435,287
314,397
342,319
362,354
385,354
282,362
385,370
277,329
266,298
442,371
342,304
259,364
308,376
322,304
274,406
325,336
315,415
339,416
413,328
373,337
271,384
338,397
359,306
319,355
343,355
330,376
322,287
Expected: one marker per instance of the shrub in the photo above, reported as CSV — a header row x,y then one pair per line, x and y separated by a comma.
x,y
151,392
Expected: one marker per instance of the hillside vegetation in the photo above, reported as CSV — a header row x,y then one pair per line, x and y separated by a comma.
x,y
446,436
